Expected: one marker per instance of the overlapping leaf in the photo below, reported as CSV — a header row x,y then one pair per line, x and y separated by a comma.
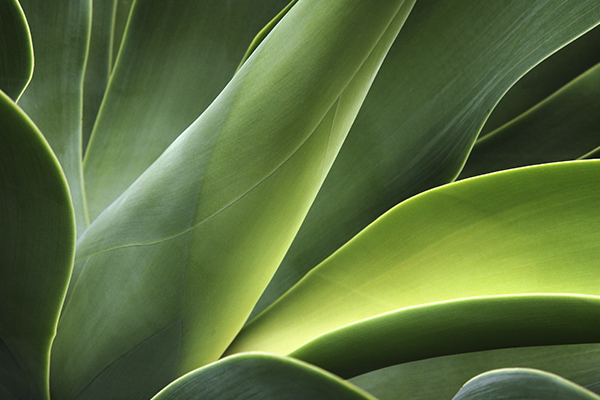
x,y
530,230
264,376
521,383
451,64
170,271
53,99
36,254
176,58
16,52
441,377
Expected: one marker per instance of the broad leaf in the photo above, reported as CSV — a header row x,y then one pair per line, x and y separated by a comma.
x,y
521,383
166,82
53,99
530,230
441,377
451,64
169,273
563,127
36,254
452,327
264,376
16,51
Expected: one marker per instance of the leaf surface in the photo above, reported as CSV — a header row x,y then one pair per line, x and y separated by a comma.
x,y
441,377
529,230
53,99
36,253
451,63
565,126
189,247
264,376
176,57
16,51
522,384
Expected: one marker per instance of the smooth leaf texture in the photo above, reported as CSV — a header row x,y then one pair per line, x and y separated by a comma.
x,y
176,58
441,377
522,384
530,230
546,78
53,99
258,375
16,51
453,327
169,273
98,63
563,127
36,254
121,16
451,64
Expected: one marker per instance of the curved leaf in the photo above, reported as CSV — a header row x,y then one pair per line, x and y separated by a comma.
x,y
166,82
36,253
441,377
563,127
451,64
53,99
16,51
530,230
264,376
545,79
521,383
452,327
188,248
121,16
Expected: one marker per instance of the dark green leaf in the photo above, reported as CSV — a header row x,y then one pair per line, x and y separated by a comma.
x,y
16,51
36,253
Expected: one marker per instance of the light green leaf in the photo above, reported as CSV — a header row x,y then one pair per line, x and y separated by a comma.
x,y
36,253
16,51
530,230
545,79
452,327
563,127
521,383
258,375
452,62
53,99
186,251
166,83
98,63
441,377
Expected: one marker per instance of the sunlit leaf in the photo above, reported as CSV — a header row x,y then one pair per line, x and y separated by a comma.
x,y
450,65
530,230
169,272
36,253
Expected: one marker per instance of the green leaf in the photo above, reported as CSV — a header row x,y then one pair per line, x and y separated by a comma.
x,y
186,251
441,377
258,375
166,82
98,63
563,127
545,79
36,253
530,230
53,99
452,62
452,327
121,16
521,383
16,51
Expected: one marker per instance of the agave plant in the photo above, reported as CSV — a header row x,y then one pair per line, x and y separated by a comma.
x,y
321,199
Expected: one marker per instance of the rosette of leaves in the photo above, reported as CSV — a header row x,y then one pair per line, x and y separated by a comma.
x,y
320,199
